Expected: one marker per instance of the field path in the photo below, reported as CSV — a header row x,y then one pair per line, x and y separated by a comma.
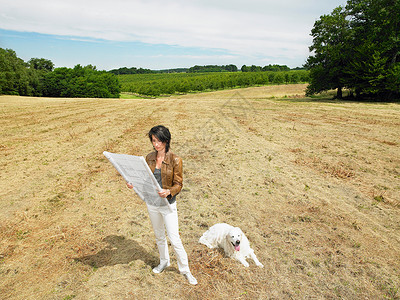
x,y
314,184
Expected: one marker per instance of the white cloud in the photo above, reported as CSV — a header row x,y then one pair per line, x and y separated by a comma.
x,y
245,27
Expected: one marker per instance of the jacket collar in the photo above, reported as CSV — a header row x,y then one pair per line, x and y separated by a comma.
x,y
167,158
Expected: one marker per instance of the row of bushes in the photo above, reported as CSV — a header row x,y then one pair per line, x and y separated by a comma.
x,y
160,84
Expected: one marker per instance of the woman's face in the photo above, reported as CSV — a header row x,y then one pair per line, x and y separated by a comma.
x,y
157,144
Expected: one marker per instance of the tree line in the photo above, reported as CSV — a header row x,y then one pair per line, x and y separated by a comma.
x,y
273,68
205,69
357,47
37,77
133,70
212,68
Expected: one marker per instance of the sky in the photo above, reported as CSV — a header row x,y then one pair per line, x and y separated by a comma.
x,y
161,34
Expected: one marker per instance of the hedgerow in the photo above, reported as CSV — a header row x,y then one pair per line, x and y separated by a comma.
x,y
166,84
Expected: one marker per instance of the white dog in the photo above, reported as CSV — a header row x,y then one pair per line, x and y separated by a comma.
x,y
232,240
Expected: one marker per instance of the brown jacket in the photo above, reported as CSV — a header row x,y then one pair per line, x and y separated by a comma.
x,y
171,171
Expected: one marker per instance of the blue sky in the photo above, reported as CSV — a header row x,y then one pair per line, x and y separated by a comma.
x,y
160,34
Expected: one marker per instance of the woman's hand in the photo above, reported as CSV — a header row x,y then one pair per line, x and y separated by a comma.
x,y
130,186
164,193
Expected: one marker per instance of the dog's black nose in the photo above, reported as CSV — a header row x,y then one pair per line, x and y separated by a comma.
x,y
237,242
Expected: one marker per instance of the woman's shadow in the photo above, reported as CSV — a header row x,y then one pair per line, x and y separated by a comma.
x,y
118,251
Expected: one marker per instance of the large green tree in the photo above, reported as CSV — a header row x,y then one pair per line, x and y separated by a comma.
x,y
330,49
357,47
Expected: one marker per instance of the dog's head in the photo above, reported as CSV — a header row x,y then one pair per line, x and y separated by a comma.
x,y
234,237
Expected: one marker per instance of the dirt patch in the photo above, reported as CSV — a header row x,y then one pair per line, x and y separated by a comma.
x,y
314,184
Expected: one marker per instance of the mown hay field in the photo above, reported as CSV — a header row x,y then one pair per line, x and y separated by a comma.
x,y
314,184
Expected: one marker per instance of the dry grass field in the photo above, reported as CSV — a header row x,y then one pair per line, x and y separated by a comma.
x,y
314,184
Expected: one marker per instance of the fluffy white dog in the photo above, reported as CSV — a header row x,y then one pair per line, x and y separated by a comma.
x,y
232,240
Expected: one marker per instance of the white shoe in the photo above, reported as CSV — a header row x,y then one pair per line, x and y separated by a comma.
x,y
190,278
160,267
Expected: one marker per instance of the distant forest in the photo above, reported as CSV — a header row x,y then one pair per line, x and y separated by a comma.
x,y
204,69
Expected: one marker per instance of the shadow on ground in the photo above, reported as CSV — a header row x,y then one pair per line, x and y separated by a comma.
x,y
118,251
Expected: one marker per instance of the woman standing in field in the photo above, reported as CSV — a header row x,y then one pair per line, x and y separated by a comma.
x,y
167,169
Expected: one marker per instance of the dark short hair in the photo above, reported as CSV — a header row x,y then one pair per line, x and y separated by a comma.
x,y
162,134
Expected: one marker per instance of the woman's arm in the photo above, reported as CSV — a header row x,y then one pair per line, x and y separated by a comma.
x,y
177,182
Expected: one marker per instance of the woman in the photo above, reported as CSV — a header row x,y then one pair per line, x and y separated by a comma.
x,y
167,169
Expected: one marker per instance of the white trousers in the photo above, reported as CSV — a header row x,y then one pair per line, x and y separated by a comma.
x,y
162,218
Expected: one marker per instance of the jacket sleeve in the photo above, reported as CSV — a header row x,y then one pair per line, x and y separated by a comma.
x,y
177,182
150,161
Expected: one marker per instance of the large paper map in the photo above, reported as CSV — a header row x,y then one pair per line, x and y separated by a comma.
x,y
135,170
